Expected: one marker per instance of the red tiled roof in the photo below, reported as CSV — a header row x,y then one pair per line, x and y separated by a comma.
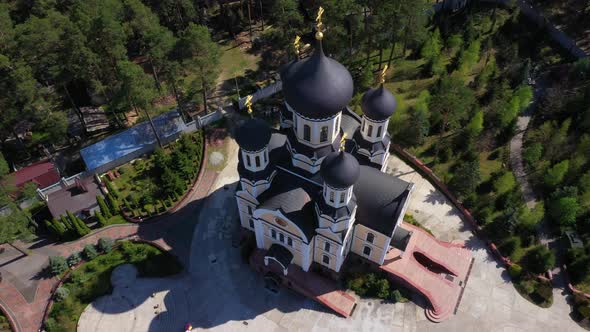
x,y
43,173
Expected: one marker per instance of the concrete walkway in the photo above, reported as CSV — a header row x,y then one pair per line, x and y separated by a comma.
x,y
222,293
28,312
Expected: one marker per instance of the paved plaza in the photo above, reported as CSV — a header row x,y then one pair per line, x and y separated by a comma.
x,y
220,292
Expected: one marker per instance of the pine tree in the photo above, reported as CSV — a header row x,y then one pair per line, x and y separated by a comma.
x,y
80,231
112,190
103,207
101,219
70,231
59,228
113,204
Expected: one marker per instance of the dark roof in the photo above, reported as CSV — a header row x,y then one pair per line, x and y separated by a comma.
x,y
340,169
349,124
277,153
74,198
380,198
317,87
336,213
370,146
42,173
378,104
253,135
400,238
294,197
281,254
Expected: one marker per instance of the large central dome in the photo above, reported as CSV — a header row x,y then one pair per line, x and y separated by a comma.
x,y
318,87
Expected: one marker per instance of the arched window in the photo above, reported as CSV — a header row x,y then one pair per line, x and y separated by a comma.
x,y
379,131
332,196
370,132
367,251
342,195
257,161
265,155
248,162
370,237
289,242
326,260
324,134
327,246
307,133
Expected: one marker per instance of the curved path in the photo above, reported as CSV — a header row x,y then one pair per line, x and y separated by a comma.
x,y
221,292
27,313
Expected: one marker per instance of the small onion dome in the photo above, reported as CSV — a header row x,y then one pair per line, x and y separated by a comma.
x,y
253,135
317,87
378,104
340,170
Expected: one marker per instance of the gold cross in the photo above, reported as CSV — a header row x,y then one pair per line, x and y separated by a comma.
x,y
248,104
297,46
382,76
343,142
319,25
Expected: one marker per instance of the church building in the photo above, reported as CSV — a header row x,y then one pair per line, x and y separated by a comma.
x,y
314,192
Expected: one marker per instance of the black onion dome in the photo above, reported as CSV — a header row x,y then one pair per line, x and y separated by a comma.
x,y
340,169
317,87
253,135
378,104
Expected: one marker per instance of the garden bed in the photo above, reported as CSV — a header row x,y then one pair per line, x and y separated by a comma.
x,y
4,323
150,186
92,280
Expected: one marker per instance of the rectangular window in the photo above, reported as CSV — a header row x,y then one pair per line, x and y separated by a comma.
x,y
332,196
307,133
324,134
249,210
251,223
265,155
326,260
367,251
273,233
289,242
370,132
282,237
257,161
342,195
248,160
327,246
379,131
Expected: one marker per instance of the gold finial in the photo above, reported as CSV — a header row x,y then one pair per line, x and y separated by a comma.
x,y
248,104
319,25
382,75
297,46
343,142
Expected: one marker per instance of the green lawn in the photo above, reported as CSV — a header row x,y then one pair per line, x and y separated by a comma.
x,y
92,280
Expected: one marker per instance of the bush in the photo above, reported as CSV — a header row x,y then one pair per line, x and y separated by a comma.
x,y
533,154
74,259
112,190
382,288
102,221
508,247
61,294
114,206
89,252
57,265
538,259
103,207
105,244
515,271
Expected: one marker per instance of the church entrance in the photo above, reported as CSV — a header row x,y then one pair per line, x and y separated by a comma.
x,y
272,282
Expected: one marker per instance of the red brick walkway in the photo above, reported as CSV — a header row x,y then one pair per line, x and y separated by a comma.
x,y
27,317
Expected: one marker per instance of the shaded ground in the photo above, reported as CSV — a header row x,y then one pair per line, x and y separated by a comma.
x,y
221,292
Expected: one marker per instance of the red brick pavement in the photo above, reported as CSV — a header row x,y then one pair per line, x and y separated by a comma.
x,y
29,316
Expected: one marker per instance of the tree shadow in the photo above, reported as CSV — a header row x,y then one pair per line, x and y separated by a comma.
x,y
435,197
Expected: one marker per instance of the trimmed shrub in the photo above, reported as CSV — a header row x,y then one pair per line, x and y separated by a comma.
x,y
74,259
57,265
105,244
112,190
103,207
515,271
89,252
114,206
102,221
61,294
